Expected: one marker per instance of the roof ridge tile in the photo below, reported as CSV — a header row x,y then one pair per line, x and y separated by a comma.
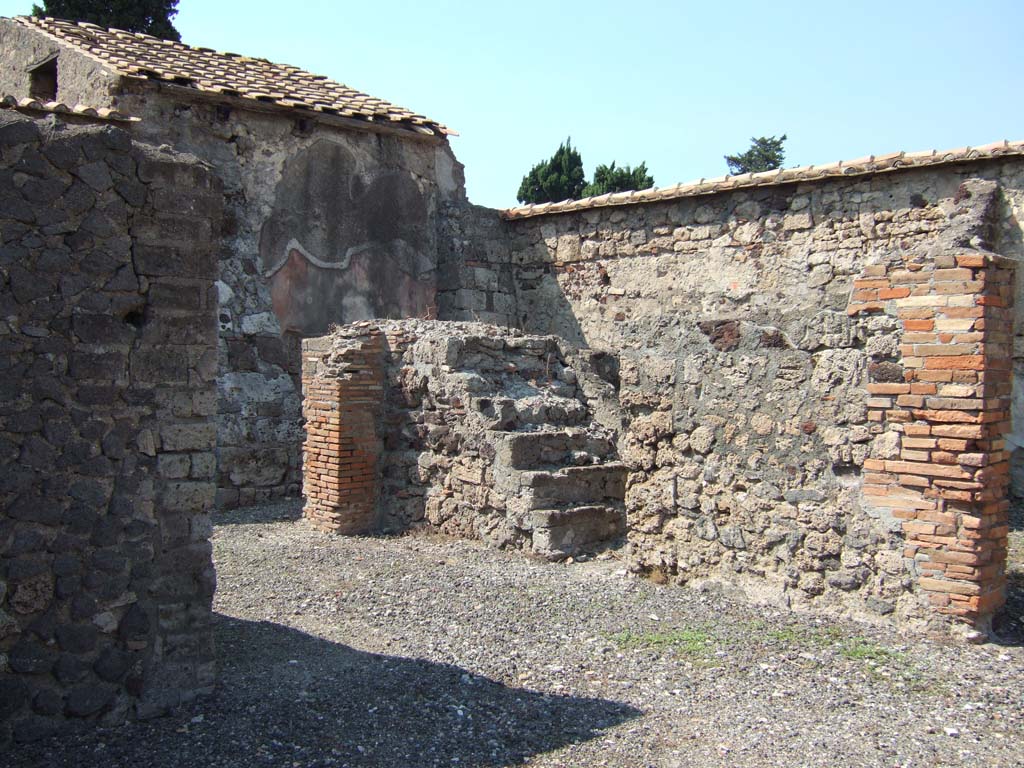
x,y
140,56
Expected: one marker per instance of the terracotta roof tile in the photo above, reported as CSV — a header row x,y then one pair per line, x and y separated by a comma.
x,y
57,107
141,56
860,167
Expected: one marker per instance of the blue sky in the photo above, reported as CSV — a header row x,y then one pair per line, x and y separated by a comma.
x,y
675,84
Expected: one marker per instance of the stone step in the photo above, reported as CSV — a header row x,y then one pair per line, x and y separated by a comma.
x,y
590,484
560,533
543,450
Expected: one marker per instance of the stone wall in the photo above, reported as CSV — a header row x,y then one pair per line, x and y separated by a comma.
x,y
324,223
466,428
475,271
106,425
941,464
743,369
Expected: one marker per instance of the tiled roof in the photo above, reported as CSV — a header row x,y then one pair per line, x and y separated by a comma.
x,y
135,55
57,107
860,167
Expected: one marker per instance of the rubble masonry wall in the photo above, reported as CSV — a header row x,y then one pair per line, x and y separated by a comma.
x,y
745,365
106,425
469,429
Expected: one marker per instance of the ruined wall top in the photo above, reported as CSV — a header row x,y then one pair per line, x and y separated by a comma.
x,y
862,166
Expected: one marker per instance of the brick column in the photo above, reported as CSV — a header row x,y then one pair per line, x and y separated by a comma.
x,y
945,474
343,391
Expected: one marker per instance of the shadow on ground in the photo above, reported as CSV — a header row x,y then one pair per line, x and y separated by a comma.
x,y
288,698
1009,625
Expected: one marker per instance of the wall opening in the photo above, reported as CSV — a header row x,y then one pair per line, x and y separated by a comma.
x,y
43,80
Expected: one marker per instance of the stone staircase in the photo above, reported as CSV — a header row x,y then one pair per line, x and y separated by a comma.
x,y
554,464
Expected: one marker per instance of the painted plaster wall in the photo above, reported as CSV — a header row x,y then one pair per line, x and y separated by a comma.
x,y
322,225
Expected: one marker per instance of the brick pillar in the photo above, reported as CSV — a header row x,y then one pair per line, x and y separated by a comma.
x,y
343,387
946,477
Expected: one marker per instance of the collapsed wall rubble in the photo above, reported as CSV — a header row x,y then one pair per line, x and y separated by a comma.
x,y
468,428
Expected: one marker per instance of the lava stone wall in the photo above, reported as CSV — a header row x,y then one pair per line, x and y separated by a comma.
x,y
323,224
744,368
107,400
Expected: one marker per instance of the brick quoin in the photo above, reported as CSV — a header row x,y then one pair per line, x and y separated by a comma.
x,y
343,396
948,485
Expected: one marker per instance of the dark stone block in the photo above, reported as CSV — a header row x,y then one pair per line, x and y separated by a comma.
x,y
69,669
13,695
26,567
115,138
26,540
886,372
106,533
98,224
135,624
159,365
90,492
96,395
43,191
123,280
79,519
48,702
97,466
67,564
16,129
31,658
102,329
62,154
37,453
56,432
12,254
78,199
67,586
112,665
44,626
131,191
176,296
86,700
25,421
79,241
28,286
109,560
96,175
16,209
77,638
16,479
174,261
83,607
34,509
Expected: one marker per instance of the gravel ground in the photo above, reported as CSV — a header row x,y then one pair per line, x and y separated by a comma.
x,y
422,651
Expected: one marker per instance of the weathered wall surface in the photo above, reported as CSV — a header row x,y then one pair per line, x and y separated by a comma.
x,y
467,428
742,372
322,226
107,399
475,274
81,80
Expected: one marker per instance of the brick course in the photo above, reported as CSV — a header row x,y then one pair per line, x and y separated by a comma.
x,y
948,482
